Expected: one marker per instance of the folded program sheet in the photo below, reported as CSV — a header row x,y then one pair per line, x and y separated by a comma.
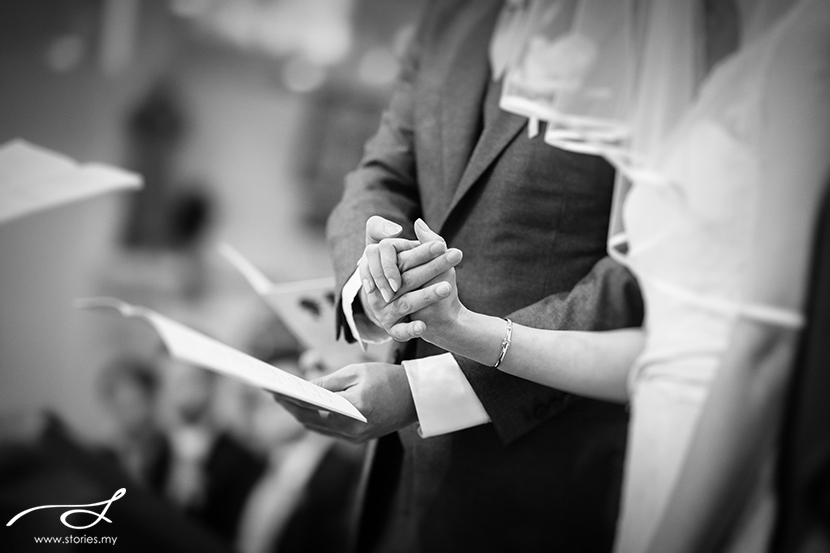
x,y
33,178
191,346
308,310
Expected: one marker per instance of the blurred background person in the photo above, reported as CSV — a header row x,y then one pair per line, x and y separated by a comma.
x,y
129,389
211,472
306,498
43,461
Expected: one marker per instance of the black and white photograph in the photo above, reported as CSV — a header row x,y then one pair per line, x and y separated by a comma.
x,y
415,276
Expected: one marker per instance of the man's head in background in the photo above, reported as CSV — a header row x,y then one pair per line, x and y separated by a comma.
x,y
129,389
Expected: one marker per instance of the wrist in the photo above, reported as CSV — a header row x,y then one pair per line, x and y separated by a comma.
x,y
451,331
474,336
467,324
486,335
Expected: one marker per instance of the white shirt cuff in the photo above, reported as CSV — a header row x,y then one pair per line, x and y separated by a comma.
x,y
363,330
444,400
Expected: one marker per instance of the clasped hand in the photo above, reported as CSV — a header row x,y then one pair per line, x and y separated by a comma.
x,y
408,286
409,290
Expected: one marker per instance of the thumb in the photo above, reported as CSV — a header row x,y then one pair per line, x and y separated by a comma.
x,y
424,233
338,380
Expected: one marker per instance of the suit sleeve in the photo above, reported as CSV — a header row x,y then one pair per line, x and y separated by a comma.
x,y
607,298
384,182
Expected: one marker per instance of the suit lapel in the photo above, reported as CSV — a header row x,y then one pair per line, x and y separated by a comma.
x,y
492,143
465,84
466,151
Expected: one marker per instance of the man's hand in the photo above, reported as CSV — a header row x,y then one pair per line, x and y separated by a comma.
x,y
379,263
379,390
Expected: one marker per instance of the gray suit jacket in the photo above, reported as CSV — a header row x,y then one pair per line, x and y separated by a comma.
x,y
532,223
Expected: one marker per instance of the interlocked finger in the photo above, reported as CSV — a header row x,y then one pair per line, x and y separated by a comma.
x,y
379,266
424,297
418,276
421,254
387,314
389,266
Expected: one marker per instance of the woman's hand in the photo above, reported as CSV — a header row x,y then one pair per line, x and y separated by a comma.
x,y
395,316
437,304
442,311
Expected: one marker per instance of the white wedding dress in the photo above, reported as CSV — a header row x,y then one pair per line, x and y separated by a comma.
x,y
692,226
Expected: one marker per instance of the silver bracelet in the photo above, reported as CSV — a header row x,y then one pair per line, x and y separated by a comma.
x,y
505,343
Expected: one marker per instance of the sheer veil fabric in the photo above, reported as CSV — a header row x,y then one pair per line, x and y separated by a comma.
x,y
614,78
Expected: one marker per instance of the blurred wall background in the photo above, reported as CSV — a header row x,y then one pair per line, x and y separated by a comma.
x,y
273,100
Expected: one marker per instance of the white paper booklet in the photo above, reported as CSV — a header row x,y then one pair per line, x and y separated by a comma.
x,y
33,178
190,346
308,310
